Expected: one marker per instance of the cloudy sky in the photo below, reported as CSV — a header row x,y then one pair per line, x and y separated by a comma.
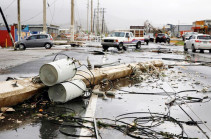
x,y
120,14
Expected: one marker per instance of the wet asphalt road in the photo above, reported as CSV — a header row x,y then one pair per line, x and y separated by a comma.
x,y
177,79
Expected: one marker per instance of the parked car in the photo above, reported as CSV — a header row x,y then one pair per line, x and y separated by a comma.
x,y
162,37
40,40
198,42
187,35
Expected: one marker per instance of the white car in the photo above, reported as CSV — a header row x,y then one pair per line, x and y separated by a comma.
x,y
121,40
198,42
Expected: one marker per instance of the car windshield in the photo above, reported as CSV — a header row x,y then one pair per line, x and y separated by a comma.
x,y
117,34
204,37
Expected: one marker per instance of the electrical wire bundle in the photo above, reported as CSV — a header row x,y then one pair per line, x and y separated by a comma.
x,y
144,125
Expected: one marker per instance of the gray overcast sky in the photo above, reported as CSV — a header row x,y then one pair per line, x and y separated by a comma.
x,y
120,14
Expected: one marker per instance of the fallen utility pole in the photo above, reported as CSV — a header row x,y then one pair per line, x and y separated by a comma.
x,y
17,91
8,29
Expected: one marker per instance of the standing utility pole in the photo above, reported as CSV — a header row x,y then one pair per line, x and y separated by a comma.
x,y
19,21
103,21
87,15
94,21
72,21
91,15
44,17
98,14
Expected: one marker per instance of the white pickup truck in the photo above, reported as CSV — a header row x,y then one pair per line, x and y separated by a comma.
x,y
121,40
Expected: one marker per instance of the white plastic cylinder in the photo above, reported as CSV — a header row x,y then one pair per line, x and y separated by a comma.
x,y
57,71
66,91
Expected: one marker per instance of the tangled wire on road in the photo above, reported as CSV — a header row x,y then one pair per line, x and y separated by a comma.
x,y
144,125
135,125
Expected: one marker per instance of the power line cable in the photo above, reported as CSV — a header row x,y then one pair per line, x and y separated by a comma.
x,y
9,5
39,13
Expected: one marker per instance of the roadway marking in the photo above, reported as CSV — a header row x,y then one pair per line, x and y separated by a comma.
x,y
90,112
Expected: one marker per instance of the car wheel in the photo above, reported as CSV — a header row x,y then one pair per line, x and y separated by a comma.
x,y
105,48
138,45
168,41
185,48
147,42
124,48
22,47
120,46
47,46
193,48
156,41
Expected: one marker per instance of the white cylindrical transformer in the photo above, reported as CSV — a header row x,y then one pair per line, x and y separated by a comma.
x,y
57,72
66,91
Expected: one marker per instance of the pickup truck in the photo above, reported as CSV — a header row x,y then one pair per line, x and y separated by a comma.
x,y
121,40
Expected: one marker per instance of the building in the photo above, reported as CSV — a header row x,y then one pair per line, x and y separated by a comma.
x,y
181,29
203,26
5,40
38,28
137,27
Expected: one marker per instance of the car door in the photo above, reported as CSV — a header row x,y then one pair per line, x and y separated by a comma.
x,y
41,40
31,41
188,42
131,38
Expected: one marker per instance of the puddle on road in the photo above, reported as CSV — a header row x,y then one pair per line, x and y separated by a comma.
x,y
39,118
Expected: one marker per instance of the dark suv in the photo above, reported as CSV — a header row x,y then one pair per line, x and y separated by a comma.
x,y
40,40
162,37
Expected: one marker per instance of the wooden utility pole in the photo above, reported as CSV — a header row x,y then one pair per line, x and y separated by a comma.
x,y
44,17
92,16
94,21
87,15
98,16
19,21
103,20
72,21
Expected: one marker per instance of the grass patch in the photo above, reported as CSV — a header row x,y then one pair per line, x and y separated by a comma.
x,y
181,43
177,43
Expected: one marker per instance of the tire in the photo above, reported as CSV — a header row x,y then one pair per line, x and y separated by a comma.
x,y
193,49
168,41
47,46
156,41
209,51
124,48
22,47
120,46
147,42
185,48
105,48
138,45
